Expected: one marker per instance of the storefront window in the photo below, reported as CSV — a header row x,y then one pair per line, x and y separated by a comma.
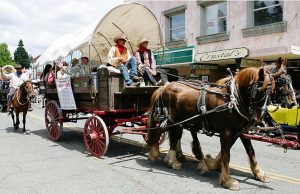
x,y
215,18
267,12
177,27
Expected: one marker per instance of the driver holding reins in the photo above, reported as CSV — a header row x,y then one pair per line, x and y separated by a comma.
x,y
16,80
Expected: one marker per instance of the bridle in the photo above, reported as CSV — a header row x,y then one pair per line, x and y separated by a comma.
x,y
28,91
284,89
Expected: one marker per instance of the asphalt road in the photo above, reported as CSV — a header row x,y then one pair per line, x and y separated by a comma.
x,y
34,164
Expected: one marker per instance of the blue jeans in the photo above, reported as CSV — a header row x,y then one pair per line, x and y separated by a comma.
x,y
132,65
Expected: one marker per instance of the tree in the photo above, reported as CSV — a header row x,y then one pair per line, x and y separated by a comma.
x,y
5,58
21,55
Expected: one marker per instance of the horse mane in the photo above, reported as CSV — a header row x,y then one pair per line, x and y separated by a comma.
x,y
247,76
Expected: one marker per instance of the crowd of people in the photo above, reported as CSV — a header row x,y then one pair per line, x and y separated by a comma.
x,y
134,68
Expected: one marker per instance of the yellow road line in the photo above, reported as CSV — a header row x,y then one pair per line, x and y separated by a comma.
x,y
165,150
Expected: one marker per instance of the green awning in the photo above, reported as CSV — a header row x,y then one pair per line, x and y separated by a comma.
x,y
174,56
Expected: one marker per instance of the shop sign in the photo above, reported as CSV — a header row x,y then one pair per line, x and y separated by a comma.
x,y
295,50
221,55
251,63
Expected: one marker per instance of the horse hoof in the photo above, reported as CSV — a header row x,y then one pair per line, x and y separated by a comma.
x,y
231,184
262,176
151,157
177,166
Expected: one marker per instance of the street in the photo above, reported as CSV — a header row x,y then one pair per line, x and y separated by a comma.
x,y
31,163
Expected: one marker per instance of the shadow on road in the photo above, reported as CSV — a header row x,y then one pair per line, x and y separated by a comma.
x,y
123,152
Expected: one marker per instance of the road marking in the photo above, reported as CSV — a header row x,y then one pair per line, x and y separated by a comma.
x,y
233,166
165,150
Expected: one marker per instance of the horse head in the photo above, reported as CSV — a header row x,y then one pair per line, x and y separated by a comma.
x,y
255,87
284,92
28,87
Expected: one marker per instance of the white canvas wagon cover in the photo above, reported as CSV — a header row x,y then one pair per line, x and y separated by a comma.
x,y
134,20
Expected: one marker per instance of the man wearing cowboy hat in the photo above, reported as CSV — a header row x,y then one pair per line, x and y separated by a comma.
x,y
16,80
147,63
119,57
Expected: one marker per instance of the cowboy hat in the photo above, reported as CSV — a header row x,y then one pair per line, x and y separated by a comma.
x,y
120,37
18,67
143,40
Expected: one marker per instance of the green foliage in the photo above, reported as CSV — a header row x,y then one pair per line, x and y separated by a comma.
x,y
5,58
21,55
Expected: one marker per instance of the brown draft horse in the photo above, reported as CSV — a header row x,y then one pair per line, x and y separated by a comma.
x,y
250,90
20,102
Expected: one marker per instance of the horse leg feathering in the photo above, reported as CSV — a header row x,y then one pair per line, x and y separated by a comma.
x,y
258,173
153,135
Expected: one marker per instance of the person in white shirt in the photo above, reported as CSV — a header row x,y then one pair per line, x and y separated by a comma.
x,y
16,80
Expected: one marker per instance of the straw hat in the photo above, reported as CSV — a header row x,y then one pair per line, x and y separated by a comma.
x,y
18,67
74,61
142,40
120,37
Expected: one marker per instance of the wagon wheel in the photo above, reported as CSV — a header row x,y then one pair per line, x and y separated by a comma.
x,y
54,120
96,138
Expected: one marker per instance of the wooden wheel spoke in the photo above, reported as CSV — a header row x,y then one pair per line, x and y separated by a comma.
x,y
97,148
94,147
102,143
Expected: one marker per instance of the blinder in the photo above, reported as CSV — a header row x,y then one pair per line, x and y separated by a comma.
x,y
259,95
283,89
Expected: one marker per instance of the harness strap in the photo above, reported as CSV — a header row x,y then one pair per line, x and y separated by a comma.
x,y
220,108
201,106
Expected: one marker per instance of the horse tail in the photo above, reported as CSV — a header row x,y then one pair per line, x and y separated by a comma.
x,y
154,134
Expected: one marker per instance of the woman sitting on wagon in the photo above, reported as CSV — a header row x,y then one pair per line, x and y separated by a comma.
x,y
47,76
147,64
119,57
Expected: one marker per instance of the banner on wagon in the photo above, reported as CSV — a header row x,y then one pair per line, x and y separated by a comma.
x,y
65,94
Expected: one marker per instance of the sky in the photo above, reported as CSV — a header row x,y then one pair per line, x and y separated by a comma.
x,y
40,22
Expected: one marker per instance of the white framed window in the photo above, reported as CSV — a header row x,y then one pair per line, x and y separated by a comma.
x,y
177,27
215,18
267,12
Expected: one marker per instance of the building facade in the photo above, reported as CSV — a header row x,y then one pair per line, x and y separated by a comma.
x,y
203,38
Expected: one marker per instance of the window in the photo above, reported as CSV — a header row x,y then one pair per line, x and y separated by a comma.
x,y
267,12
215,18
177,27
